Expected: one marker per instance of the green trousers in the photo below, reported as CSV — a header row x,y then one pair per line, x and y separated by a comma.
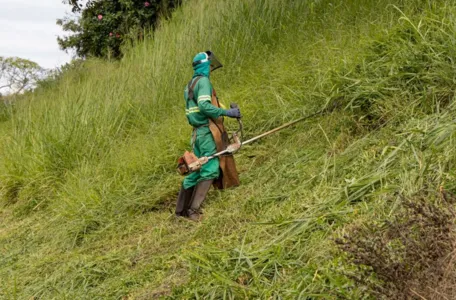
x,y
203,145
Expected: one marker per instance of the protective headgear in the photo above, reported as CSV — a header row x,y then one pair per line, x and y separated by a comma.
x,y
205,57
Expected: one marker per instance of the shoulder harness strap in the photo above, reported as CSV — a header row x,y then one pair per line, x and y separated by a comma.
x,y
191,86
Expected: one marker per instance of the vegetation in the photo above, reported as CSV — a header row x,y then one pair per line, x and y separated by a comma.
x,y
88,179
410,256
18,75
103,26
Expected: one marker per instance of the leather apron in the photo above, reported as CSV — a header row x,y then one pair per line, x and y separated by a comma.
x,y
228,176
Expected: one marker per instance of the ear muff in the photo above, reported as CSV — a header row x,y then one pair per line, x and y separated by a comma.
x,y
206,59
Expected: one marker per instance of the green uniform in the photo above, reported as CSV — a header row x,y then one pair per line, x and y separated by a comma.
x,y
198,112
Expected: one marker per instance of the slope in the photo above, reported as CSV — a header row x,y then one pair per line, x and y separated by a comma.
x,y
88,180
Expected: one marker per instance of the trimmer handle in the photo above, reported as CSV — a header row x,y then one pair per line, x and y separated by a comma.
x,y
241,127
234,105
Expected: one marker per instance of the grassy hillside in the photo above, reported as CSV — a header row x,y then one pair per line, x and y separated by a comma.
x,y
88,179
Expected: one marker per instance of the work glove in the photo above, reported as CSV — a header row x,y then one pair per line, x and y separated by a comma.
x,y
233,113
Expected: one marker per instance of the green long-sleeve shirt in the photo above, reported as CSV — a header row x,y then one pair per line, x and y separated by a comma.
x,y
200,109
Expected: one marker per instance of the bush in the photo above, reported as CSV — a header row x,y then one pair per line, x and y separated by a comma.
x,y
411,255
104,25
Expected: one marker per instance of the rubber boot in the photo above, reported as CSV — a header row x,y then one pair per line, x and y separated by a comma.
x,y
199,195
183,201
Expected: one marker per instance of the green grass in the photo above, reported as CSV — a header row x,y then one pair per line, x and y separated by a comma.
x,y
88,179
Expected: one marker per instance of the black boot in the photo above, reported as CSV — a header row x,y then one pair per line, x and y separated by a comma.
x,y
183,201
199,195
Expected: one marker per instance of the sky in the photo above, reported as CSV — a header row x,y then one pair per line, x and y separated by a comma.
x,y
28,30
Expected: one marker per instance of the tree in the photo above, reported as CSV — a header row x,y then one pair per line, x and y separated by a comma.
x,y
18,74
101,26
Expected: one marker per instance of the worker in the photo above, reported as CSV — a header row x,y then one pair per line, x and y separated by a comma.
x,y
205,115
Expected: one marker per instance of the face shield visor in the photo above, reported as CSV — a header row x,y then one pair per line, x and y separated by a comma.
x,y
215,63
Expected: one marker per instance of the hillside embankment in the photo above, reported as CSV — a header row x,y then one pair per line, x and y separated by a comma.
x,y
87,166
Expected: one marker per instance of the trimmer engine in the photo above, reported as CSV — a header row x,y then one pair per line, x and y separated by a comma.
x,y
189,163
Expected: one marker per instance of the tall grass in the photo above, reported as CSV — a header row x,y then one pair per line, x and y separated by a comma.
x,y
88,181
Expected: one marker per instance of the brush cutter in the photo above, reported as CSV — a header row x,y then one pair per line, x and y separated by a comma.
x,y
189,163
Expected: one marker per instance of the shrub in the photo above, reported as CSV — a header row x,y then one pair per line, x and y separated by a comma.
x,y
104,25
411,255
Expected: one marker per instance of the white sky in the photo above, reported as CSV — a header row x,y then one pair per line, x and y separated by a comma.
x,y
28,30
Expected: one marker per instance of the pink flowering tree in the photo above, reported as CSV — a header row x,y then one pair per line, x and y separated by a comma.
x,y
99,28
